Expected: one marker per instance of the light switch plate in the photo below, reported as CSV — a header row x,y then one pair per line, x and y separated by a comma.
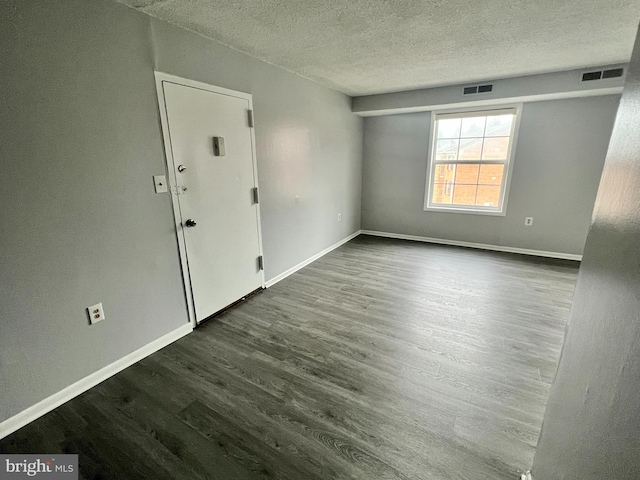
x,y
219,149
160,181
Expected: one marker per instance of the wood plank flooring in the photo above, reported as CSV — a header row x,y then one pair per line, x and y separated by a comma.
x,y
384,359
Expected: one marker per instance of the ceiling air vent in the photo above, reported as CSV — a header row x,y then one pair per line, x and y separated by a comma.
x,y
477,89
601,75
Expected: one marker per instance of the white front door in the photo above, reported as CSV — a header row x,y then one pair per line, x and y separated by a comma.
x,y
214,171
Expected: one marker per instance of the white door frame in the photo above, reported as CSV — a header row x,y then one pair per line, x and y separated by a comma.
x,y
173,181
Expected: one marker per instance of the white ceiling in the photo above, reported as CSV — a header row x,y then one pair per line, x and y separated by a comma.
x,y
372,46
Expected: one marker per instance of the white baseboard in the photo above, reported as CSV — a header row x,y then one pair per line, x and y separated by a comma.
x,y
45,406
482,246
303,264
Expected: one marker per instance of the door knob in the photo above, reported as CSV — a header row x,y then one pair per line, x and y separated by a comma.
x,y
190,223
181,168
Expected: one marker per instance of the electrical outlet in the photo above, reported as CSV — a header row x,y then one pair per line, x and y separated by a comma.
x,y
339,216
528,221
96,313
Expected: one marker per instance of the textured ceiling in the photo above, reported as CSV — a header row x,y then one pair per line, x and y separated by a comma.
x,y
372,46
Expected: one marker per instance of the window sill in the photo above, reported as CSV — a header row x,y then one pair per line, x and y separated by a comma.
x,y
472,211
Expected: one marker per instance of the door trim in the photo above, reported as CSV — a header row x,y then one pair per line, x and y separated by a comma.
x,y
161,78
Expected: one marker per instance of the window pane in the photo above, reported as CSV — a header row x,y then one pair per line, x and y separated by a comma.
x,y
470,149
469,159
473,127
495,148
464,194
442,193
499,126
488,196
467,173
444,172
491,174
447,150
449,128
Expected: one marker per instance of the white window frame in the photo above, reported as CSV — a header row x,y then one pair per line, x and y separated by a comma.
x,y
500,210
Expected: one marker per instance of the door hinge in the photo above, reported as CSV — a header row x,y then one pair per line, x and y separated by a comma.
x,y
260,263
250,117
256,199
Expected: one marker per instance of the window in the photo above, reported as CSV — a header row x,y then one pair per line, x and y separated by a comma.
x,y
470,160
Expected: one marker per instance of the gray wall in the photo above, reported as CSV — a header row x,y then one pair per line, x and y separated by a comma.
x,y
553,85
308,145
79,143
559,156
591,429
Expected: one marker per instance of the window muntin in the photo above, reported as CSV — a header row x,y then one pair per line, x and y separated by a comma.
x,y
469,161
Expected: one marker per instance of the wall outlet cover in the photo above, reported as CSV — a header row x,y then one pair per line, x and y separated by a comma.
x,y
96,313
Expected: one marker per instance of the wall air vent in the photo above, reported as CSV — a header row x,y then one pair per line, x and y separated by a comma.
x,y
477,89
589,76
613,73
601,75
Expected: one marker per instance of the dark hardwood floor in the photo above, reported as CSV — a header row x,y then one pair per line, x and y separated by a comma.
x,y
384,359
